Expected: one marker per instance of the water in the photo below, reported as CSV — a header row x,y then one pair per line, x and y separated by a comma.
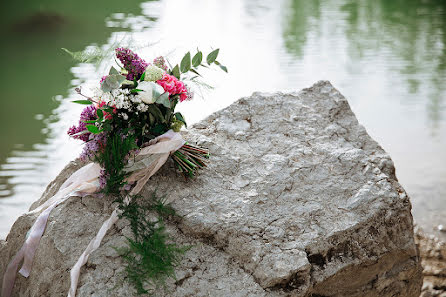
x,y
387,57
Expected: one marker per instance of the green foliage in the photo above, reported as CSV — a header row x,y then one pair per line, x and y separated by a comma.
x,y
196,60
85,102
150,257
90,55
180,118
185,63
176,71
113,158
164,100
113,71
212,56
111,82
221,66
93,129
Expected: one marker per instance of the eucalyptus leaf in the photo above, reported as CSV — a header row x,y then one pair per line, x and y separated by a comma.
x,y
196,60
212,56
113,71
176,71
185,63
195,71
85,102
112,82
164,99
223,68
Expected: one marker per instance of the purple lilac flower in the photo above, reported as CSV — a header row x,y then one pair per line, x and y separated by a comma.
x,y
88,114
103,179
132,63
160,62
95,143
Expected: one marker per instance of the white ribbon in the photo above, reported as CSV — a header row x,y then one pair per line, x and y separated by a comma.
x,y
83,182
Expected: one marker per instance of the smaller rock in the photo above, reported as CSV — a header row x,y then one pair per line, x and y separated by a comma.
x,y
433,260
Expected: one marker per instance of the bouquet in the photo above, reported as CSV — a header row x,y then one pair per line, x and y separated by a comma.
x,y
134,105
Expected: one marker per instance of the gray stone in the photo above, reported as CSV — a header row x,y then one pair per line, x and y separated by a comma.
x,y
298,200
433,260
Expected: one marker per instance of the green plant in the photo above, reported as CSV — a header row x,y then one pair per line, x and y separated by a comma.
x,y
150,256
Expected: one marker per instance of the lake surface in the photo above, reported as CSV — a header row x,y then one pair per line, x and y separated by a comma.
x,y
387,57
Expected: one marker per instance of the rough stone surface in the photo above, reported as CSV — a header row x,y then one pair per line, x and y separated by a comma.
x,y
433,260
297,201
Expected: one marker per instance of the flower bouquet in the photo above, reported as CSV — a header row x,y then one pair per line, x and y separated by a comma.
x,y
130,128
133,106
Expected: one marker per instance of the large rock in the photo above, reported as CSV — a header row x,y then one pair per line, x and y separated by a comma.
x,y
433,260
297,201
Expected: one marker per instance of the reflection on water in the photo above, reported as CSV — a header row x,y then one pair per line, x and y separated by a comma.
x,y
387,57
415,32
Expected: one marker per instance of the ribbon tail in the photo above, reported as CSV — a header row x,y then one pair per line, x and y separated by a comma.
x,y
11,272
92,246
32,242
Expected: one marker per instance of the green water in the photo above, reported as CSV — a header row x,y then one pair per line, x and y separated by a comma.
x,y
35,70
387,57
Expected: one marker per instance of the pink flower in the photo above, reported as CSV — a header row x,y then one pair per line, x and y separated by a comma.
x,y
173,86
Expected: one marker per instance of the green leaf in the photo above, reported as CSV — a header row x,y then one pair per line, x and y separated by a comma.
x,y
113,71
180,118
223,68
93,129
164,99
176,71
112,82
133,91
100,114
142,76
151,119
212,56
153,109
195,71
90,122
85,102
185,63
159,129
168,115
196,60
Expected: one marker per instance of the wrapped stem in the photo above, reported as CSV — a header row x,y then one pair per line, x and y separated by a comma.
x,y
189,158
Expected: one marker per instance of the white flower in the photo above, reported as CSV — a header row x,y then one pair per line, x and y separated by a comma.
x,y
142,107
124,116
150,91
153,73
